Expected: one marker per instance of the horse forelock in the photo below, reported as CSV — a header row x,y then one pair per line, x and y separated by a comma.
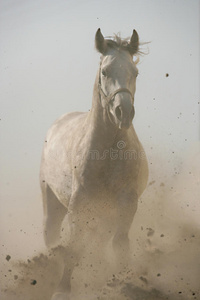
x,y
118,43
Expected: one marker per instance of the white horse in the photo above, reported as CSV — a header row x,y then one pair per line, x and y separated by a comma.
x,y
94,167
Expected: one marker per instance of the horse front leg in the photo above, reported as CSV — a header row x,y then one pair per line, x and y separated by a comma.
x,y
54,213
127,206
70,255
63,290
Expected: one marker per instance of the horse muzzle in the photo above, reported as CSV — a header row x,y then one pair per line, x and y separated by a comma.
x,y
123,110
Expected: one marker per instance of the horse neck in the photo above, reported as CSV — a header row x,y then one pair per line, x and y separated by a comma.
x,y
103,130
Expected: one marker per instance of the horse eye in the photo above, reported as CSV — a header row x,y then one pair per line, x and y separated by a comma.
x,y
103,72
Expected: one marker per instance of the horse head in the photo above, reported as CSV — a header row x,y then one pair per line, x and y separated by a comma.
x,y
117,77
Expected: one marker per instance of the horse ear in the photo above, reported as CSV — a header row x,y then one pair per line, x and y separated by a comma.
x,y
134,43
100,42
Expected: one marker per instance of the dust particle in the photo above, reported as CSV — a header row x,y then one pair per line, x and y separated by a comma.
x,y
150,232
33,282
152,182
143,279
8,257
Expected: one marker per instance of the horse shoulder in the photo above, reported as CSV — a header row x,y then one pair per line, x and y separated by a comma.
x,y
57,167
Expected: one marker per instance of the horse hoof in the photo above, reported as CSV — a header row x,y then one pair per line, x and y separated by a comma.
x,y
60,296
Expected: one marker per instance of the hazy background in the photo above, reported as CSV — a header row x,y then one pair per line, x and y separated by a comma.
x,y
47,67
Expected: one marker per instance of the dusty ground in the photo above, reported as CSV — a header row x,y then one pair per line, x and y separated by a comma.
x,y
165,243
153,274
165,265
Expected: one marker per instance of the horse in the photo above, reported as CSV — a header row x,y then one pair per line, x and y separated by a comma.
x,y
93,167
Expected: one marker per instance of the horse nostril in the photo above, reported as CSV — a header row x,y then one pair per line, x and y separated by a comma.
x,y
118,113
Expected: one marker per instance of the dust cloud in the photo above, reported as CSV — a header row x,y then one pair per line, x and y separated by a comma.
x,y
165,247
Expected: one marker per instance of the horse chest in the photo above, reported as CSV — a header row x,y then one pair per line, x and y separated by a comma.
x,y
109,175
